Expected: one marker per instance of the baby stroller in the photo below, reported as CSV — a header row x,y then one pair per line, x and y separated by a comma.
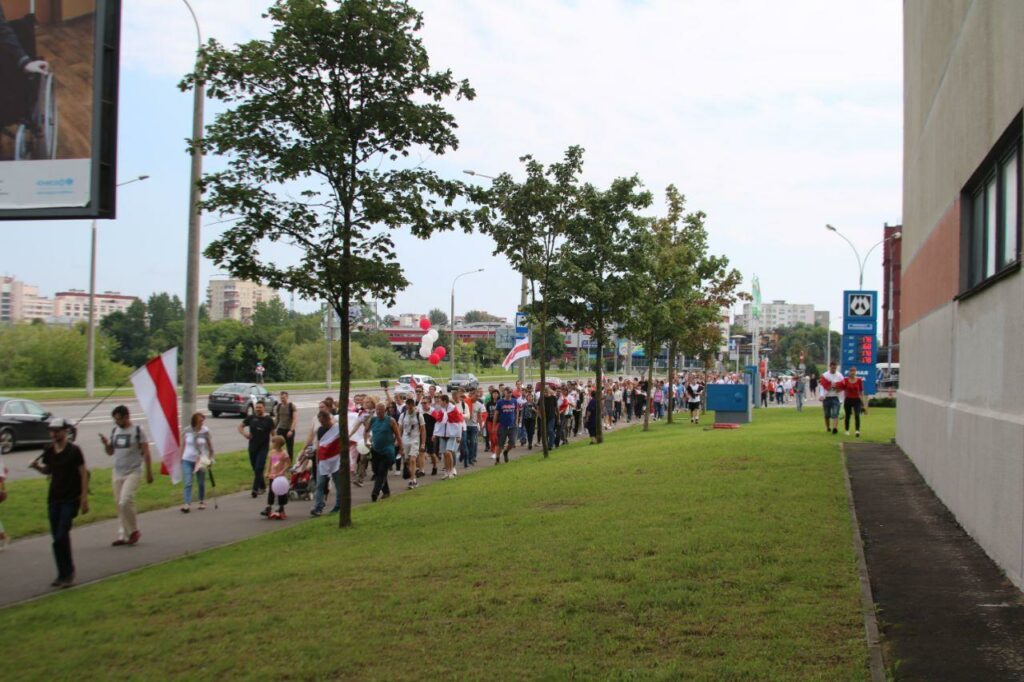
x,y
28,106
301,477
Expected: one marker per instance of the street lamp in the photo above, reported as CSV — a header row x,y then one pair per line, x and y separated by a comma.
x,y
862,262
90,351
522,287
451,351
190,360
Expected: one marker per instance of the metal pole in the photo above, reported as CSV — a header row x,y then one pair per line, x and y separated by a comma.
x,y
452,323
90,361
522,306
190,364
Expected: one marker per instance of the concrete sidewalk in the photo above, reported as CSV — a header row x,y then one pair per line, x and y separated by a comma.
x,y
27,566
945,609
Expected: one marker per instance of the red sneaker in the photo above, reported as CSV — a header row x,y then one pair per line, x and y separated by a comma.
x,y
273,515
282,516
134,537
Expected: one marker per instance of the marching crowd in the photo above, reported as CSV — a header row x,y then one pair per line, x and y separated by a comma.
x,y
425,432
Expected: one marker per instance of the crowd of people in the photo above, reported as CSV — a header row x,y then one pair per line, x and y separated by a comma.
x,y
423,433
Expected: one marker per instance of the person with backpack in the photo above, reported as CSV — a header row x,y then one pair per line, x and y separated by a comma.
x,y
129,447
285,420
413,429
529,417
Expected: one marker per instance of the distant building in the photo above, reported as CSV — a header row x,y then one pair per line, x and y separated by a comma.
x,y
777,314
236,299
822,318
409,320
73,305
892,265
961,395
20,302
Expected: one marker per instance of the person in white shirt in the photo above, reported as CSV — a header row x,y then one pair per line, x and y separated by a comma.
x,y
831,396
411,426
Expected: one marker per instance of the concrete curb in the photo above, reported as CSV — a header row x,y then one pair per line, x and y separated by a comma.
x,y
876,661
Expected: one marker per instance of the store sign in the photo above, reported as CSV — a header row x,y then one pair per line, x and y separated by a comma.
x,y
860,331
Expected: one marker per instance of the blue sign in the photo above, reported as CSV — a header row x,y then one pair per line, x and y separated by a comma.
x,y
521,328
860,332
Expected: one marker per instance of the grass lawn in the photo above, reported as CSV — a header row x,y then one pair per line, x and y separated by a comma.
x,y
676,554
24,511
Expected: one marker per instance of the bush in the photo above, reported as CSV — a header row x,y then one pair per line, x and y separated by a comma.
x,y
36,355
881,402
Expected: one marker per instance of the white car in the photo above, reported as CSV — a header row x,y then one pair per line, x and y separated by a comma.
x,y
405,387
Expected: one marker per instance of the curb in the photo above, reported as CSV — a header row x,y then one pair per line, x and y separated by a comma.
x,y
876,661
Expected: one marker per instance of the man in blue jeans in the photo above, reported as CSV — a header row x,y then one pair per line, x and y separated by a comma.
x,y
474,412
508,413
550,416
63,462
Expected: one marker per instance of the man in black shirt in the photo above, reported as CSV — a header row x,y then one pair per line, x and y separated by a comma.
x,y
63,462
261,427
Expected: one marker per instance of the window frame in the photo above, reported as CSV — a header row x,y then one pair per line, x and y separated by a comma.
x,y
974,228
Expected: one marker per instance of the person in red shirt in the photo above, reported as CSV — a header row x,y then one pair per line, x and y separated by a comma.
x,y
853,398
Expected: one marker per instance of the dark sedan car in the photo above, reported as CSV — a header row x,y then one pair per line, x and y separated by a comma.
x,y
24,422
239,398
467,382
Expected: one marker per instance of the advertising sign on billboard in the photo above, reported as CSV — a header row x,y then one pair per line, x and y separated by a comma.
x,y
860,330
58,108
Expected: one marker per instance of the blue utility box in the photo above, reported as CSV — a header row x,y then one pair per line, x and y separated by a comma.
x,y
730,403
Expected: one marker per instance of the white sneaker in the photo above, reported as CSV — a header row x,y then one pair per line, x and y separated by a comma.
x,y
454,473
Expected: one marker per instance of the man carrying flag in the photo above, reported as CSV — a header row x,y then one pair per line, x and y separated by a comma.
x,y
328,462
520,350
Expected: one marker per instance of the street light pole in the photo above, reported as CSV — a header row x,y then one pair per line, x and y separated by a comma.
x,y
90,350
451,351
190,361
861,263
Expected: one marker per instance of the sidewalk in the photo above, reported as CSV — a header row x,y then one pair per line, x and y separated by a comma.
x,y
945,609
27,566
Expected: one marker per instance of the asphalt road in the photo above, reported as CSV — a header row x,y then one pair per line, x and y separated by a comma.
x,y
223,430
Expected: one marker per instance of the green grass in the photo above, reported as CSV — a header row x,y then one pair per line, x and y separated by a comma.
x,y
24,511
681,553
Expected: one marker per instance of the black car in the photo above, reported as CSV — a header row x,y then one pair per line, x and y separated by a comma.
x,y
24,422
467,382
239,398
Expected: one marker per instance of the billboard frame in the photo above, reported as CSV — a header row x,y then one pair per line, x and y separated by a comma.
x,y
103,147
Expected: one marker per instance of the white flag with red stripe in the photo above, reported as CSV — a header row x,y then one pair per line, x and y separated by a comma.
x,y
520,350
155,386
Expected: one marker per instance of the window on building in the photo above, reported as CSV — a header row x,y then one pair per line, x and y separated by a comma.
x,y
992,217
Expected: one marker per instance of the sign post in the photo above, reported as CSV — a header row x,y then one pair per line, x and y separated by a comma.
x,y
860,329
522,332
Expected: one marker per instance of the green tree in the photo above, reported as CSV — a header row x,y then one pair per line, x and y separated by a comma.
x,y
438,318
601,249
271,316
129,331
474,316
388,321
528,221
320,120
42,356
164,309
485,353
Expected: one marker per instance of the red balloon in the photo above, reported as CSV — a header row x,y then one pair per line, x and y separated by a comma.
x,y
433,359
424,324
440,352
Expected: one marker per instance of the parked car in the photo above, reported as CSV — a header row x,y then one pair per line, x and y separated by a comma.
x,y
25,422
467,382
405,387
240,399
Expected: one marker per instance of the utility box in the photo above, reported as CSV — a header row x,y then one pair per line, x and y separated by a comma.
x,y
730,403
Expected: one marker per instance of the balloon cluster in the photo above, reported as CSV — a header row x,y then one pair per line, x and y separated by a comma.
x,y
427,351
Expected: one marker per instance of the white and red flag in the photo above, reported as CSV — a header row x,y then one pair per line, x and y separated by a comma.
x,y
330,443
520,350
155,386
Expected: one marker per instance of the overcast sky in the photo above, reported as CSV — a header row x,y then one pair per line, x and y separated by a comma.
x,y
773,118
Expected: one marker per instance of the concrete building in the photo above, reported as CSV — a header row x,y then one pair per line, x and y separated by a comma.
x,y
961,397
235,299
73,305
822,318
892,266
778,314
20,302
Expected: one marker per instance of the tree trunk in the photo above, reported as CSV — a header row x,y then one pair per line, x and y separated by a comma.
x,y
545,445
671,366
649,403
344,491
599,402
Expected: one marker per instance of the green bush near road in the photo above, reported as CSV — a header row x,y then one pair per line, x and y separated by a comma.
x,y
682,553
24,511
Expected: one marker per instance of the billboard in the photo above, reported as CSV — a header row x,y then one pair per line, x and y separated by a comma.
x,y
860,328
58,108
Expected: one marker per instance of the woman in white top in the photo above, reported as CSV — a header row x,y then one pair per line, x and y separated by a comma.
x,y
197,447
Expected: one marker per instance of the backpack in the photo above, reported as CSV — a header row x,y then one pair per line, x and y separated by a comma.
x,y
138,435
529,412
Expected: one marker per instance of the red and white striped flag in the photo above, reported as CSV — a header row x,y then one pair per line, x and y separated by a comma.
x,y
155,388
520,350
330,443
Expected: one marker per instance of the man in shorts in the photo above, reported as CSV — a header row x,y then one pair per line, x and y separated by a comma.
x,y
830,404
413,431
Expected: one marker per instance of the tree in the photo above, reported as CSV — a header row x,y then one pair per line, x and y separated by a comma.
x,y
130,335
474,316
320,121
528,221
601,249
388,321
548,342
486,353
438,318
163,310
271,316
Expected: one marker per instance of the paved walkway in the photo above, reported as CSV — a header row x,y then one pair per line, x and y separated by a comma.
x,y
946,610
27,566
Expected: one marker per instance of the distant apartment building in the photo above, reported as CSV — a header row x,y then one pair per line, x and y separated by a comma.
x,y
73,305
409,319
236,299
20,302
822,318
778,314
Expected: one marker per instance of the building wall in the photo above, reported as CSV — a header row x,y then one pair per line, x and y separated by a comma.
x,y
961,399
74,304
235,299
20,302
778,314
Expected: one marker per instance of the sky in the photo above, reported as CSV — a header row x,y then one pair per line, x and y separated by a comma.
x,y
773,118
